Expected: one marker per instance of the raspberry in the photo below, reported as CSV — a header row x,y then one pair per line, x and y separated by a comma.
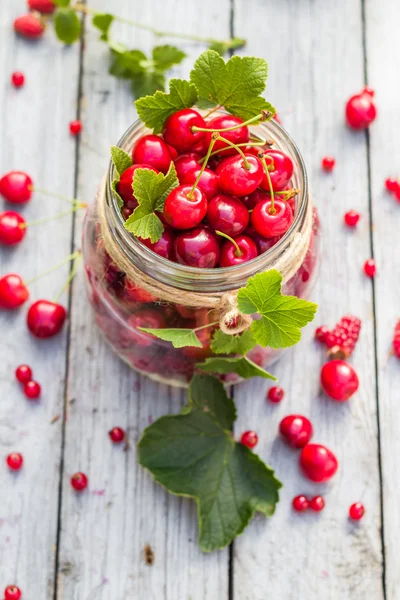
x,y
345,334
396,340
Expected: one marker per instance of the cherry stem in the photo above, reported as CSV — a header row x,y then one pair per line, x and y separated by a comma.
x,y
244,144
271,189
214,138
205,326
57,266
259,117
71,276
238,251
287,194
246,164
210,112
59,196
48,219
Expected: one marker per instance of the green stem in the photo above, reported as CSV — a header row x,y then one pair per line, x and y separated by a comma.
x,y
214,138
238,251
59,196
236,146
205,326
244,144
210,112
70,278
249,122
48,219
57,266
271,189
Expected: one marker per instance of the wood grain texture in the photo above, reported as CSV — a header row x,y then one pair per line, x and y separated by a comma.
x,y
105,531
318,556
34,137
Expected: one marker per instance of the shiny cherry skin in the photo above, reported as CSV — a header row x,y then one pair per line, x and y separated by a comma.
x,y
79,482
296,430
235,179
318,463
249,439
15,460
270,224
227,214
370,268
275,394
153,151
197,248
174,153
356,511
328,163
178,130
184,210
124,186
317,503
339,380
282,170
16,187
185,163
208,182
12,592
75,127
263,244
23,373
18,79
253,199
351,218
32,390
392,184
12,228
300,503
13,291
165,245
229,256
45,318
361,110
116,435
237,136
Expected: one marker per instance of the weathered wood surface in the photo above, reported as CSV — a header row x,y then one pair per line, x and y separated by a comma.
x,y
91,547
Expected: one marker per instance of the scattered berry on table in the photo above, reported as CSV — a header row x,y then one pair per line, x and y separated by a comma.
x,y
318,463
361,109
296,430
32,390
15,461
339,380
45,318
300,503
351,218
321,333
29,26
249,439
317,503
16,187
42,6
17,79
356,511
392,185
13,291
396,340
328,163
23,373
116,435
75,127
79,481
12,592
275,394
344,335
370,268
12,228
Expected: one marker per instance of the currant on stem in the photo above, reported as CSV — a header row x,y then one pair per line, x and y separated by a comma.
x,y
16,187
13,291
12,228
179,130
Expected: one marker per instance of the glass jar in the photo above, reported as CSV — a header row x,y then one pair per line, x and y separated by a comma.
x,y
121,307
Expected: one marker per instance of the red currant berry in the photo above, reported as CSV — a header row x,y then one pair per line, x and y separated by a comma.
x,y
356,511
240,178
249,439
32,390
184,208
12,593
15,460
360,110
396,340
197,248
270,222
16,187
321,334
281,172
300,503
240,135
42,6
275,394
45,319
296,430
153,151
17,79
318,462
185,163
392,185
178,129
79,482
124,186
13,291
208,182
317,503
370,268
75,127
327,163
277,118
351,218
136,293
230,256
227,214
23,373
148,318
12,228
29,26
117,435
339,380
165,245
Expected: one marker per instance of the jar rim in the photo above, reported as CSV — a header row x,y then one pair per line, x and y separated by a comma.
x,y
194,278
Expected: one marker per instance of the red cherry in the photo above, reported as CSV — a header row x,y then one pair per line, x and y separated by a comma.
x,y
300,503
185,163
42,6
174,153
12,593
17,79
117,435
253,199
235,179
321,334
297,430
16,187
178,129
392,185
13,291
275,394
165,245
351,218
23,373
237,136
124,186
229,256
327,163
360,110
227,214
339,380
263,244
197,248
208,182
370,268
15,460
318,462
12,228
183,209
281,171
45,319
148,318
136,293
75,127
317,503
153,151
249,439
79,482
356,511
29,26
270,224
32,390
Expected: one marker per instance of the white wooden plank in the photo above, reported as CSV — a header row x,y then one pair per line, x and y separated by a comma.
x,y
103,536
316,62
383,75
35,137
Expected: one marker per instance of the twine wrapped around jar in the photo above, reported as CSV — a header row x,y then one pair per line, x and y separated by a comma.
x,y
231,320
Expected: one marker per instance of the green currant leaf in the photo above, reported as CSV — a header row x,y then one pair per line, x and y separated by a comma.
x,y
193,454
222,343
180,338
155,110
67,25
243,366
224,46
103,22
114,188
147,83
166,56
282,317
121,159
125,63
